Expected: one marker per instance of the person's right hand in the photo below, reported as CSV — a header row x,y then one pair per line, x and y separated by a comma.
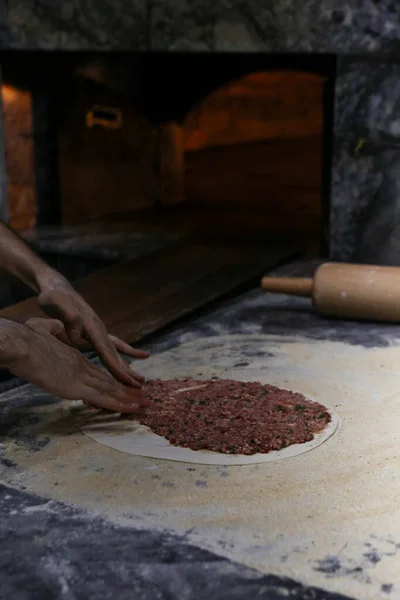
x,y
36,355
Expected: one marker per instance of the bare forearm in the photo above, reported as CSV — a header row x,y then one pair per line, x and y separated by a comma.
x,y
17,258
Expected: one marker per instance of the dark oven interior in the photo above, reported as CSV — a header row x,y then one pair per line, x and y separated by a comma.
x,y
235,143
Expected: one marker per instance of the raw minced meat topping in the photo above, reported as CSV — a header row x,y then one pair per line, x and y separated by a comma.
x,y
231,417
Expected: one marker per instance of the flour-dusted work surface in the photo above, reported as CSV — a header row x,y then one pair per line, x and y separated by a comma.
x,y
58,552
328,518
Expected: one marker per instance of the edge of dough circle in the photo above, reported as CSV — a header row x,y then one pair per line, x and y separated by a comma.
x,y
131,437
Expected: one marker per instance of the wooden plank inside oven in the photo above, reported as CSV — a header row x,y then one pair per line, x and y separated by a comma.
x,y
136,299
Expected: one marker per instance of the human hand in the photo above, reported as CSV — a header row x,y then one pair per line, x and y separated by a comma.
x,y
58,299
57,328
37,353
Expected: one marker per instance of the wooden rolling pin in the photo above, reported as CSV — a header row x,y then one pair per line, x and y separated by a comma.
x,y
346,290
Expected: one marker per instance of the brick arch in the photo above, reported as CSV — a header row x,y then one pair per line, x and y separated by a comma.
x,y
259,106
253,147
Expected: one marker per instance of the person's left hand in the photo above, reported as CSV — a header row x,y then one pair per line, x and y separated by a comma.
x,y
83,327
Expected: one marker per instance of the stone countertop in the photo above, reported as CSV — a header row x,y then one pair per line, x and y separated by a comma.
x,y
51,551
54,551
106,241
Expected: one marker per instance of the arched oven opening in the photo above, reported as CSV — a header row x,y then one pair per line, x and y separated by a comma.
x,y
240,142
111,158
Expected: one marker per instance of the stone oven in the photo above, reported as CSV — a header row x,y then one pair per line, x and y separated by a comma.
x,y
242,138
362,38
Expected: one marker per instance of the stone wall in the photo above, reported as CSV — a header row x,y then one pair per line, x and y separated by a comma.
x,y
358,26
364,33
365,200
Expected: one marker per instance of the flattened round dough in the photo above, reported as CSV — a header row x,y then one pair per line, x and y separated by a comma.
x,y
134,438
